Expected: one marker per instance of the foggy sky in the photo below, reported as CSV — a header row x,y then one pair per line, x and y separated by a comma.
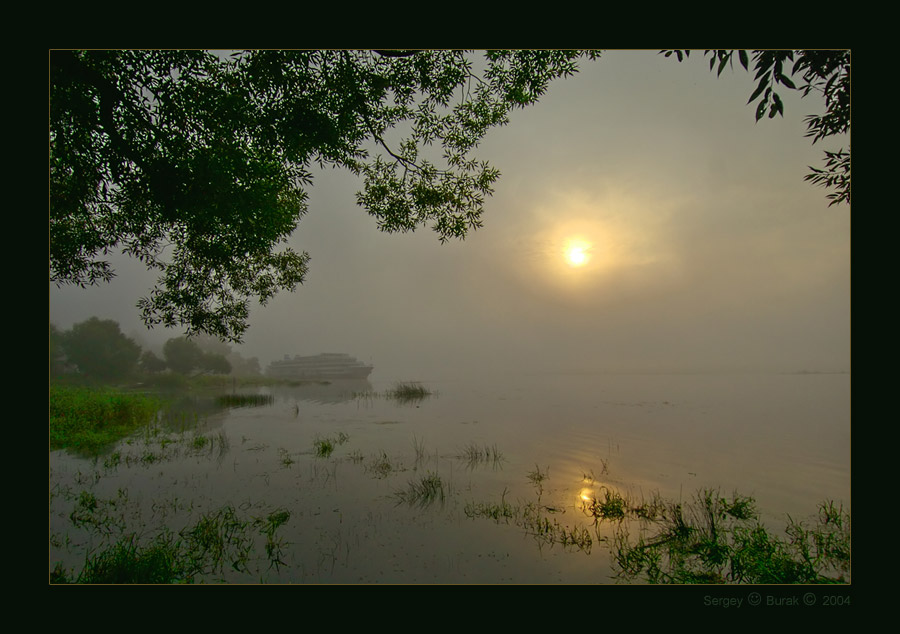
x,y
709,252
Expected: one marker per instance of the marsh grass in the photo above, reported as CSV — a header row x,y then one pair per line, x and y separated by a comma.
x,y
245,400
355,456
199,443
576,536
710,539
155,444
381,465
409,391
222,442
613,506
284,457
497,511
88,420
101,516
419,449
324,447
275,545
537,478
217,542
112,460
648,510
366,398
475,455
713,539
127,561
403,393
534,519
423,492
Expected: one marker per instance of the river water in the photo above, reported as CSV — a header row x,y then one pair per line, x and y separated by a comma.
x,y
782,438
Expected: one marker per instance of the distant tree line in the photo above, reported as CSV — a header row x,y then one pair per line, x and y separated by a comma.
x,y
97,349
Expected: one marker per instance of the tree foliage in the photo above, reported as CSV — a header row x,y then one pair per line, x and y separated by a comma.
x,y
152,364
57,354
100,350
181,354
185,356
822,71
198,164
214,364
241,366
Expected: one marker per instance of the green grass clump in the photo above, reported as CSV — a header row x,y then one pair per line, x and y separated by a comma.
x,y
534,519
324,447
716,540
502,511
408,392
537,478
89,419
284,456
246,400
218,541
475,455
127,561
424,492
613,506
381,466
710,539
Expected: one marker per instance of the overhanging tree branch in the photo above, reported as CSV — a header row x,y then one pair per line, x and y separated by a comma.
x,y
211,156
825,71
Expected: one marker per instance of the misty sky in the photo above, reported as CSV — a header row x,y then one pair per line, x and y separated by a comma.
x,y
706,249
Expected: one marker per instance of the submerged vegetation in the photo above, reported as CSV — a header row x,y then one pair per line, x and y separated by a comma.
x,y
216,542
535,518
246,400
409,391
381,465
404,392
324,447
423,492
709,538
474,455
716,540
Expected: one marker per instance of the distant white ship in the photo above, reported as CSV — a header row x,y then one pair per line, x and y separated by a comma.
x,y
325,366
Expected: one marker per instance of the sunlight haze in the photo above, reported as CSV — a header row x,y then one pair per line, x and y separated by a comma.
x,y
643,222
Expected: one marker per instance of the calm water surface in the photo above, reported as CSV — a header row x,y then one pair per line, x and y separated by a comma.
x,y
784,439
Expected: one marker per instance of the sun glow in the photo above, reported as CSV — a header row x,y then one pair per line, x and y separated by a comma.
x,y
578,253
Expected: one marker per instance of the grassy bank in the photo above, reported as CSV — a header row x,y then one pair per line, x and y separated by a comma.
x,y
87,419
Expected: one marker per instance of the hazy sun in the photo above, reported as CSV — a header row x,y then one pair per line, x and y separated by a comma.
x,y
577,254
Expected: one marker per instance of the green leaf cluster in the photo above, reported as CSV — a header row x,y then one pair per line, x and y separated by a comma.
x,y
198,164
822,71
